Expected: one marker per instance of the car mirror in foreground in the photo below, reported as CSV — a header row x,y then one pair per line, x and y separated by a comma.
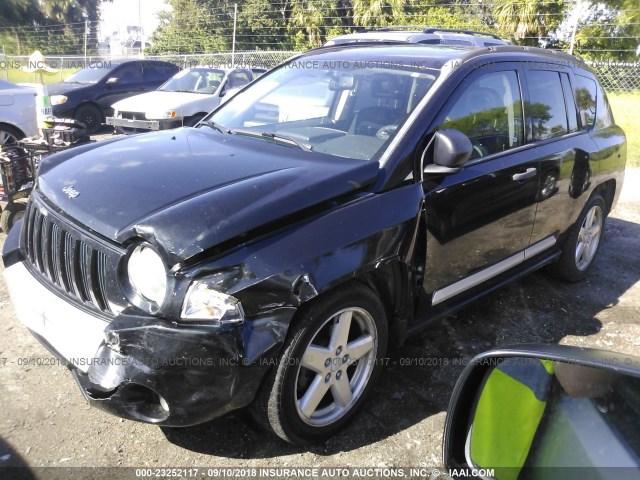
x,y
451,149
112,81
534,412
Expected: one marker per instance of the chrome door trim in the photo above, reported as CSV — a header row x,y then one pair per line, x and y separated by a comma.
x,y
477,278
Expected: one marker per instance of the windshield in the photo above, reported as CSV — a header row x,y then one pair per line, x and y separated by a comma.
x,y
89,75
195,80
342,108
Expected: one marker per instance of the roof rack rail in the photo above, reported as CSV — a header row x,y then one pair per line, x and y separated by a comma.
x,y
455,30
555,54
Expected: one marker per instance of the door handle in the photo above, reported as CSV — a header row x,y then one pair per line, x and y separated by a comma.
x,y
531,172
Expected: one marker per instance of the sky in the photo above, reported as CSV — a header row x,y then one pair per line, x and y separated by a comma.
x,y
121,13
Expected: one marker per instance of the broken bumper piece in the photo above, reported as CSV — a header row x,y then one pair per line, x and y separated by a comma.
x,y
144,368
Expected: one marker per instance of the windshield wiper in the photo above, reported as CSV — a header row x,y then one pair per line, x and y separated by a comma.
x,y
285,138
215,126
275,136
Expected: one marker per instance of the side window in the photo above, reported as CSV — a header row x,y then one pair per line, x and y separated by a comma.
x,y
547,109
489,112
585,94
157,73
572,113
604,115
237,80
128,74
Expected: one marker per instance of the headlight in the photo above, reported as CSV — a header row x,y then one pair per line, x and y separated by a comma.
x,y
147,274
160,115
205,303
58,99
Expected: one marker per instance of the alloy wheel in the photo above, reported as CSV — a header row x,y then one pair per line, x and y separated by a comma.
x,y
336,366
7,138
589,237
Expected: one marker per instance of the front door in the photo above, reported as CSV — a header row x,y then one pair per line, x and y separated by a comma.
x,y
479,221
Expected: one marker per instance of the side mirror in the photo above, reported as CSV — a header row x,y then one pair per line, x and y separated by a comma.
x,y
112,81
524,411
451,150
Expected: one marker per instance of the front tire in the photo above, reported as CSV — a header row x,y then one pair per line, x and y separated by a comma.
x,y
582,243
10,215
91,116
329,365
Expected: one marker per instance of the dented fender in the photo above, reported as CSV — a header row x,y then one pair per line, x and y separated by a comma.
x,y
368,239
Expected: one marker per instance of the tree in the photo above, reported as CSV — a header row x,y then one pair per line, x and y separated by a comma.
x,y
466,14
529,21
15,13
26,25
264,23
194,26
610,30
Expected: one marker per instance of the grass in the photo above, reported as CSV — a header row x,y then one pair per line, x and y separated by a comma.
x,y
625,111
18,76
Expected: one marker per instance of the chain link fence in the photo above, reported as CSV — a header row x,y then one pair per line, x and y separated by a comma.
x,y
12,67
615,76
618,77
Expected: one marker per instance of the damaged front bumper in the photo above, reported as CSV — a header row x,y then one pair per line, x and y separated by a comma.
x,y
144,124
145,368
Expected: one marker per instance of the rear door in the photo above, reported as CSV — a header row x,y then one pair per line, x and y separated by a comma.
x,y
566,148
479,221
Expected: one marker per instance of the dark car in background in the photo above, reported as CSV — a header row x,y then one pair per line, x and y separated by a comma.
x,y
342,202
88,94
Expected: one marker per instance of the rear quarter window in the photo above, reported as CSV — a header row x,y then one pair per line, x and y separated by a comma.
x,y
604,115
585,95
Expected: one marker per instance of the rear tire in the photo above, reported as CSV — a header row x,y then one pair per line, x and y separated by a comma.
x,y
331,360
10,215
582,243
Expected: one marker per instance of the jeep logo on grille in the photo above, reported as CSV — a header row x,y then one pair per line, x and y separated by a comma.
x,y
70,191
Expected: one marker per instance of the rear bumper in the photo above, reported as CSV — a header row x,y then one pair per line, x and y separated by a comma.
x,y
137,367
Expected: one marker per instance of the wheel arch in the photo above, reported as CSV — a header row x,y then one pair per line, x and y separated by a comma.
x,y
608,191
387,281
89,103
13,127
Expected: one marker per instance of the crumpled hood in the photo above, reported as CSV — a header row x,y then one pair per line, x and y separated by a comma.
x,y
188,190
158,101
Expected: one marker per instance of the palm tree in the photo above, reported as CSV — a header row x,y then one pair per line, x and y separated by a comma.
x,y
18,12
377,12
528,20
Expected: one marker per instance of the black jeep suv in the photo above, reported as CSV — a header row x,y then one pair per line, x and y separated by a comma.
x,y
269,255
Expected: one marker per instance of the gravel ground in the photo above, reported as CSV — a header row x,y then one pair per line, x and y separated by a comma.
x,y
45,421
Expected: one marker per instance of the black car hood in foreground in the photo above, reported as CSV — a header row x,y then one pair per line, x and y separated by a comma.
x,y
192,189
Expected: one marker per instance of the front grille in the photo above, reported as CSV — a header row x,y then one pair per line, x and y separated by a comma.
x,y
133,115
67,259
